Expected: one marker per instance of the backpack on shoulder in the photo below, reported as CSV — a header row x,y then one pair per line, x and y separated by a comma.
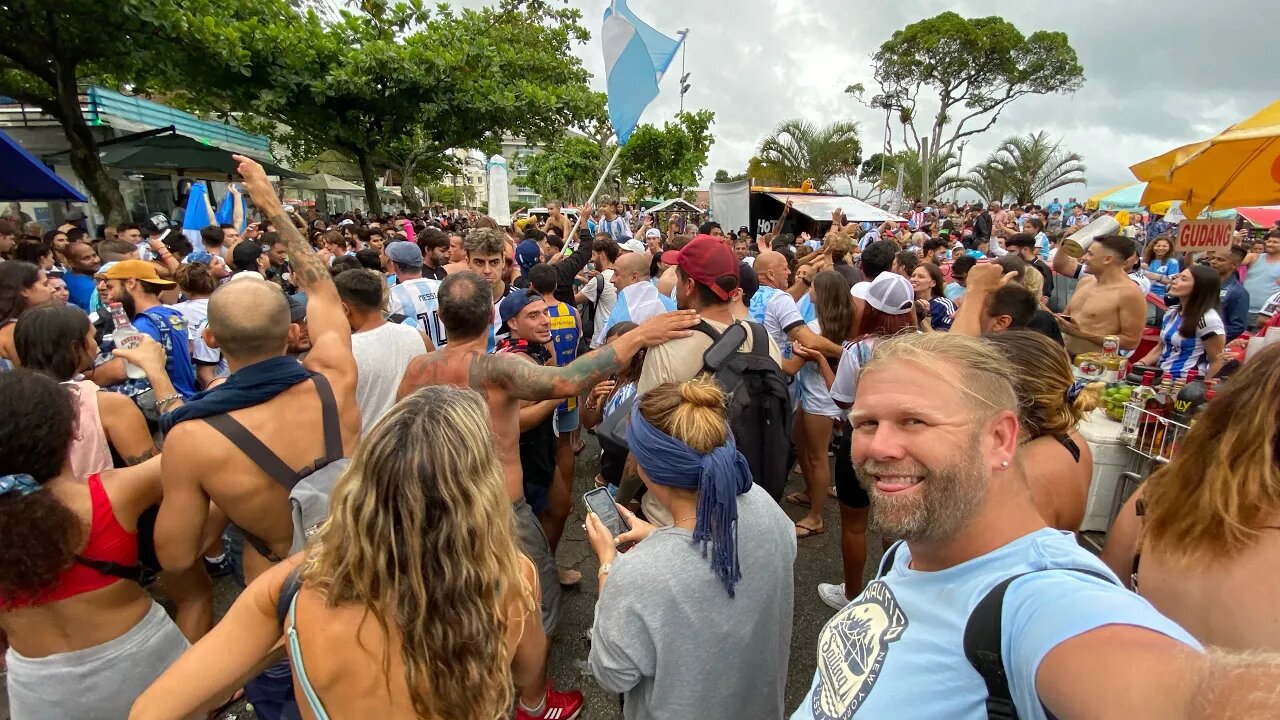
x,y
982,638
759,402
308,488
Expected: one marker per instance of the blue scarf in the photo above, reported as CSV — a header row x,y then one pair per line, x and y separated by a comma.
x,y
248,386
719,476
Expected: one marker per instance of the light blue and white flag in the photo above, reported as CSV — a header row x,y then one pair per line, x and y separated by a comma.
x,y
635,58
227,212
197,216
637,303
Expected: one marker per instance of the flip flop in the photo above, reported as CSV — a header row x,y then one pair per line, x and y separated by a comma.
x,y
803,532
236,697
794,499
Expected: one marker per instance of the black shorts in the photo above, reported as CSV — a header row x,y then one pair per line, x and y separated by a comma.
x,y
848,489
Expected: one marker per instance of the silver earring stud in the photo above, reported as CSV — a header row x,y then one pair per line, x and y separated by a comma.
x,y
1004,463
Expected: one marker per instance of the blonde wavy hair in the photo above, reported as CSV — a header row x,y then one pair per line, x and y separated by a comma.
x,y
1042,379
421,532
692,412
1222,489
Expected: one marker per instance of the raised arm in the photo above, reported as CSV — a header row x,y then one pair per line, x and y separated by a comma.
x,y
180,523
326,323
528,381
237,207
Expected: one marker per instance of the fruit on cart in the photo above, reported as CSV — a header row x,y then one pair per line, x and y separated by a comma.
x,y
1114,398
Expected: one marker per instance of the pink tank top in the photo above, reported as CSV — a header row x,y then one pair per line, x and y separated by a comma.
x,y
89,450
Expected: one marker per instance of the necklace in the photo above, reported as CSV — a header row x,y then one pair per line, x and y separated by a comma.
x,y
677,522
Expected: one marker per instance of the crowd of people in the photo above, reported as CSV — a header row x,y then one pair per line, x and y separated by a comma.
x,y
373,426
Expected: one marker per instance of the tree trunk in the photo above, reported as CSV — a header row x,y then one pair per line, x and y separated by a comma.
x,y
370,183
85,161
409,191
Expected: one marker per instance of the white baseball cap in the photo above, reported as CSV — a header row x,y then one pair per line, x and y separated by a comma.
x,y
653,233
889,293
632,245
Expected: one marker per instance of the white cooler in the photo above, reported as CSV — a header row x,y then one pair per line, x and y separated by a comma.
x,y
1110,458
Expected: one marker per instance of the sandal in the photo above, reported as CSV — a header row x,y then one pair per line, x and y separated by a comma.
x,y
803,531
236,697
795,499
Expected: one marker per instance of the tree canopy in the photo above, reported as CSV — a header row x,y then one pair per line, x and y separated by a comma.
x,y
799,150
1026,168
664,162
972,67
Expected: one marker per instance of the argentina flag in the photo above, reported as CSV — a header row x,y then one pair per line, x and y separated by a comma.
x,y
637,303
635,58
198,215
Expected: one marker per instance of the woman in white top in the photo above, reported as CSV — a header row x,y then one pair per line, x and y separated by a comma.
x,y
1192,335
832,309
198,280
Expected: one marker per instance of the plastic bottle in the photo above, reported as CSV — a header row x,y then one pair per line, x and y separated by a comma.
x,y
126,336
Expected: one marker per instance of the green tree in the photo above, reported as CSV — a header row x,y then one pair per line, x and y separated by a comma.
x,y
664,162
567,169
49,47
973,67
987,183
723,176
1030,167
943,175
449,78
799,150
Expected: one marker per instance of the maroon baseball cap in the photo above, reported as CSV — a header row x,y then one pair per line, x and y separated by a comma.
x,y
706,259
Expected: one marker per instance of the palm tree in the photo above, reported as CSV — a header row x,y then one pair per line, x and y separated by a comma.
x,y
799,150
1031,167
944,175
987,182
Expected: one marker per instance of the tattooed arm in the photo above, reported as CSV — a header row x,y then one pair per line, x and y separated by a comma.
x,y
529,381
326,324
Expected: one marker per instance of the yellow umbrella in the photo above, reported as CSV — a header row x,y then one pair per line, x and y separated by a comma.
x,y
1237,168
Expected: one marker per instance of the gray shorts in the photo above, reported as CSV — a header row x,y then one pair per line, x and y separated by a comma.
x,y
97,682
533,541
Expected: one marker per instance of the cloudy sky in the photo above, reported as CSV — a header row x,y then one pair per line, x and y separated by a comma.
x,y
1158,73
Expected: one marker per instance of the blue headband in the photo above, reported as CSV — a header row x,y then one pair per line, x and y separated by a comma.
x,y
20,483
719,476
1073,392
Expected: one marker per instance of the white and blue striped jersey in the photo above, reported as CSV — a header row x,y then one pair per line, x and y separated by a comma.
x,y
416,300
1181,354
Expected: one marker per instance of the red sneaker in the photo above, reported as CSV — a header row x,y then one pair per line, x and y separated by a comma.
x,y
560,706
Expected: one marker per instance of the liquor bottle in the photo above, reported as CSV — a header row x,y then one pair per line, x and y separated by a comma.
x,y
1155,406
126,336
1112,363
1190,400
1133,417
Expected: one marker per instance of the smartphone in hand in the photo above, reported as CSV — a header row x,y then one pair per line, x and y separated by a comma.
x,y
600,502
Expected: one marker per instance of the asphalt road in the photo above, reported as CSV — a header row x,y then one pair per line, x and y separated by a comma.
x,y
817,560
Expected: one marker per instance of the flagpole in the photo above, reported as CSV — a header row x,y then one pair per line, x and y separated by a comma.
x,y
573,234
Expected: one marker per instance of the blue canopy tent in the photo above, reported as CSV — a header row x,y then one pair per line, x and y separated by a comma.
x,y
26,178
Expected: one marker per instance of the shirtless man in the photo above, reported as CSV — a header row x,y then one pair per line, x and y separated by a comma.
x,y
457,254
1106,302
466,309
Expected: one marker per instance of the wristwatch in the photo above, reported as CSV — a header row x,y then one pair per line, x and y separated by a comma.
x,y
604,569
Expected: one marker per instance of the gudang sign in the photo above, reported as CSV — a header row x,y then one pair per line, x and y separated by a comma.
x,y
1201,235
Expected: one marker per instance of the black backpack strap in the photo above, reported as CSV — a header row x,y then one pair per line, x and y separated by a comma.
x,y
886,562
759,339
982,640
329,415
135,573
705,328
292,584
255,449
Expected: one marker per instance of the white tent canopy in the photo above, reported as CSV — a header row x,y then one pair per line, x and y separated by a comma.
x,y
820,207
674,205
323,182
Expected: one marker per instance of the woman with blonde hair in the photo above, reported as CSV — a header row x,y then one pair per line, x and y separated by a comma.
x,y
1054,457
413,599
1207,525
714,588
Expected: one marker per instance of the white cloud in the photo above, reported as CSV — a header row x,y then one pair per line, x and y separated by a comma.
x,y
1158,74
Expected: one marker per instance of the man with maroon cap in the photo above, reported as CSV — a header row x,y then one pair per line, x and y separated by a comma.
x,y
707,276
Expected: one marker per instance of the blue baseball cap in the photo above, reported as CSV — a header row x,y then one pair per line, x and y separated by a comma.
x,y
405,254
516,301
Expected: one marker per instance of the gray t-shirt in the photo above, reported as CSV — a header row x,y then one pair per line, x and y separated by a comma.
x,y
720,657
382,354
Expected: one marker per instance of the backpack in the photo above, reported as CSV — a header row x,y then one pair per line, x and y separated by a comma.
x,y
308,488
759,402
982,638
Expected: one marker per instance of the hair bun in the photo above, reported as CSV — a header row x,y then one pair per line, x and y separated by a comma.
x,y
702,392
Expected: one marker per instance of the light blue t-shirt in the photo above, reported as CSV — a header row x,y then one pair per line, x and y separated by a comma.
x,y
897,650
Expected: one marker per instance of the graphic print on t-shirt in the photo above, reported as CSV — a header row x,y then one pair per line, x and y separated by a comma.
x,y
852,649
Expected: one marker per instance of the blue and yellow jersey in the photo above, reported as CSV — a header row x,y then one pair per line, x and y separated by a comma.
x,y
564,338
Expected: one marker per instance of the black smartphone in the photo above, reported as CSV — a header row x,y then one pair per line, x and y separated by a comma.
x,y
600,502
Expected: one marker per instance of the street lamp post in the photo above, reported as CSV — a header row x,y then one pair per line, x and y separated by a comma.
x,y
955,194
